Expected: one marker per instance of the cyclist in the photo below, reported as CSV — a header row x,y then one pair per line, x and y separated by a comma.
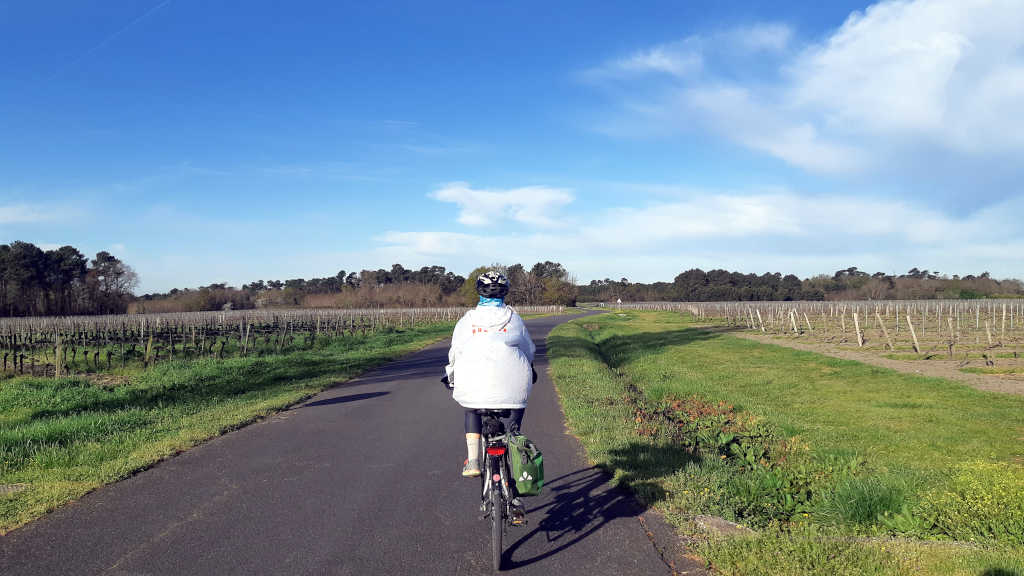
x,y
492,354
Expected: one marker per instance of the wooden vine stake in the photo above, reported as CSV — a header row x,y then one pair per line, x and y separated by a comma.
x,y
952,336
760,320
856,325
808,320
913,334
884,331
149,349
58,357
792,319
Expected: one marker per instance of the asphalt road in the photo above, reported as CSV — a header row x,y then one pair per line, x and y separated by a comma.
x,y
362,479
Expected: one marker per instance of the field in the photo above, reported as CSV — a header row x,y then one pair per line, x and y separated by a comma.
x,y
970,336
80,345
818,465
62,437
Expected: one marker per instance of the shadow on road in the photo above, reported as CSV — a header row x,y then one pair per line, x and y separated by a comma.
x,y
645,466
583,502
345,399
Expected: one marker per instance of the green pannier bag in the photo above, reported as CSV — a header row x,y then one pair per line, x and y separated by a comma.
x,y
527,465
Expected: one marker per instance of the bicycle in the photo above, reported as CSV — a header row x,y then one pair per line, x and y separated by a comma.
x,y
496,491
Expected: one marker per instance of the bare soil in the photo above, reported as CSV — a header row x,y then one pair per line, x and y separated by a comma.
x,y
936,368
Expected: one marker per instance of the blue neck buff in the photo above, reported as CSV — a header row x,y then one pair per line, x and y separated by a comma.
x,y
496,302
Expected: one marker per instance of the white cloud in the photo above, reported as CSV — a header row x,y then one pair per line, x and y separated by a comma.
x,y
784,215
531,205
26,214
686,58
950,71
751,231
733,111
904,88
429,243
706,216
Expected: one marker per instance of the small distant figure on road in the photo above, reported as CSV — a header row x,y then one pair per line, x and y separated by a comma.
x,y
492,357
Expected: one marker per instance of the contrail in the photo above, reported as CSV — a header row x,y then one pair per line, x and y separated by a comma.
x,y
107,40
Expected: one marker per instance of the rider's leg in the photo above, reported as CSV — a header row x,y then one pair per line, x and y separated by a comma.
x,y
472,466
517,417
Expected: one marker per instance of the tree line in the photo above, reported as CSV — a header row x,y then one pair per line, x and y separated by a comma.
x,y
63,281
37,282
696,285
543,283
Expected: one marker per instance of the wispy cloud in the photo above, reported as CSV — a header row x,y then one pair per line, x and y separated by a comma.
x,y
289,170
751,230
331,170
437,150
400,124
762,36
734,111
531,205
29,213
428,243
107,39
677,59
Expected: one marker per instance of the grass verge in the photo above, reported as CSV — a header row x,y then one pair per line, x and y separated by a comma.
x,y
841,467
61,438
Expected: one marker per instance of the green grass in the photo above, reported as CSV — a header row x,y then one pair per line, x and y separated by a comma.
x,y
789,441
61,438
994,370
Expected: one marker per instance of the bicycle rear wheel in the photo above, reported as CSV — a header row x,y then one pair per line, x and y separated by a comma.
x,y
497,521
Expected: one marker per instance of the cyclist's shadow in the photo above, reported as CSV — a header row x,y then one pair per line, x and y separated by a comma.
x,y
584,501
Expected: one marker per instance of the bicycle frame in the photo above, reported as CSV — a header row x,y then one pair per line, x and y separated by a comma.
x,y
496,470
495,494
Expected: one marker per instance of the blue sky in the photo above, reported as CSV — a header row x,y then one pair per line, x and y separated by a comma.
x,y
233,141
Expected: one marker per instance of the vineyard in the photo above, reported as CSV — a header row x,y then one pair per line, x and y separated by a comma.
x,y
64,346
980,335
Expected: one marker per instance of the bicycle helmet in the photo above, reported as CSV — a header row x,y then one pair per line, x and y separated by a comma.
x,y
491,284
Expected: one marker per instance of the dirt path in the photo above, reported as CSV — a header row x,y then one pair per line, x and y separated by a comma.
x,y
948,369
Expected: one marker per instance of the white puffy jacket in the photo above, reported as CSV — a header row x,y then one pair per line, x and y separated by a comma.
x,y
491,359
